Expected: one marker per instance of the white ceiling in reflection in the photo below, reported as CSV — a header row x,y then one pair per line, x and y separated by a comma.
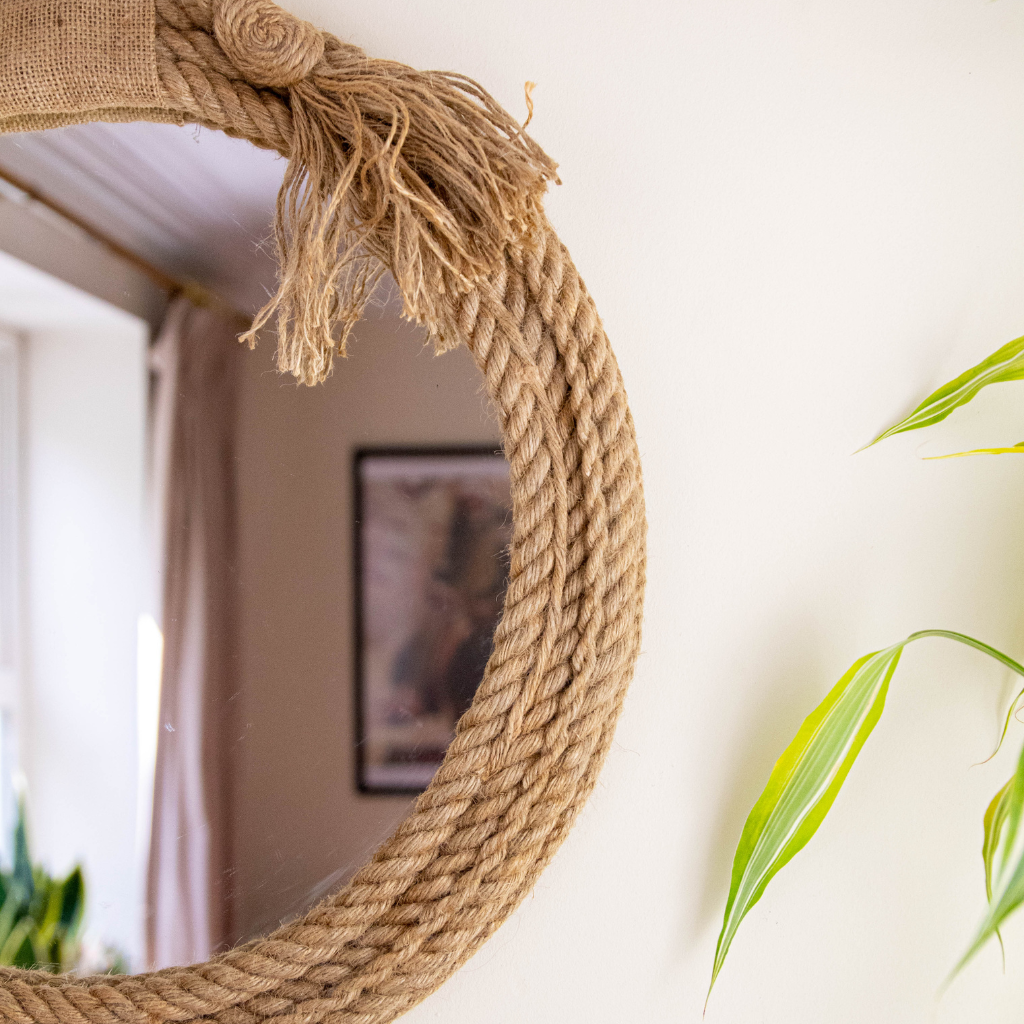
x,y
194,203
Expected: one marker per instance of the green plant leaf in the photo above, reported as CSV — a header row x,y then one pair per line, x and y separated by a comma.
x,y
72,902
25,957
808,776
1017,449
11,912
1007,881
803,785
969,641
1004,365
22,873
48,919
17,948
995,817
39,915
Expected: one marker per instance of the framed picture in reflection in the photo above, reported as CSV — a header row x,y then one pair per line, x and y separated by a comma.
x,y
433,528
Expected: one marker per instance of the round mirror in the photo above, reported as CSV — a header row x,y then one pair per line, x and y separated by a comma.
x,y
239,618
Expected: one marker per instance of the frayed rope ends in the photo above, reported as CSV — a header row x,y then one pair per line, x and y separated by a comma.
x,y
419,173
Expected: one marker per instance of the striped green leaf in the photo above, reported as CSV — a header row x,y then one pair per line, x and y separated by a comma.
x,y
1004,841
803,785
808,776
1005,365
995,818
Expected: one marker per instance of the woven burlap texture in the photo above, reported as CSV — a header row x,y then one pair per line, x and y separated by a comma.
x,y
60,59
482,267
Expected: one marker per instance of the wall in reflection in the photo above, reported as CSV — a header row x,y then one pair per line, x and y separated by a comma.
x,y
299,823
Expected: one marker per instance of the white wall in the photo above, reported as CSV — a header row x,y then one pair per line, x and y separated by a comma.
x,y
797,219
83,436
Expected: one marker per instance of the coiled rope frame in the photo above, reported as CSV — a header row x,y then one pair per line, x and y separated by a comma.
x,y
477,269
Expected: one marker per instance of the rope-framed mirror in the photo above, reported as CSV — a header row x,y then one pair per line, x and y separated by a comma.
x,y
424,175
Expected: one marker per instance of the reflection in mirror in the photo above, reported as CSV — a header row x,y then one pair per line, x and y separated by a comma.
x,y
238,618
433,529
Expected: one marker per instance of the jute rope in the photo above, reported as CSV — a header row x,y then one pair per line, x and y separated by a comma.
x,y
427,175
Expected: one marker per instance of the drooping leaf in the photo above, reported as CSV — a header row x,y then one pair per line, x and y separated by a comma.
x,y
809,774
1007,886
995,817
1004,365
803,785
969,641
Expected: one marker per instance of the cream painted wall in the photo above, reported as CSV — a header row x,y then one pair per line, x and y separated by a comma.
x,y
797,219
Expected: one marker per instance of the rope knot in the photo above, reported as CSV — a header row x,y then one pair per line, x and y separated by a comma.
x,y
270,46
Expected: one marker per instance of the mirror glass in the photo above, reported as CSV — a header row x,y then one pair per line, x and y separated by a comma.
x,y
239,618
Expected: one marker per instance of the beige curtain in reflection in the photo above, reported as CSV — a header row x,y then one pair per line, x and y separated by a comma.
x,y
188,887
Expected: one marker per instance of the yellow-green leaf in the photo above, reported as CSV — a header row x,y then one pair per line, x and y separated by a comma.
x,y
803,785
809,774
1017,449
1006,882
995,817
1004,365
17,948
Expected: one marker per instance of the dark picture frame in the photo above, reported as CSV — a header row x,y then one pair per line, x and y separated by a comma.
x,y
431,538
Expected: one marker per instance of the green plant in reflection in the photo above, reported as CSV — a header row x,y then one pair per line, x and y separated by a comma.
x,y
39,915
811,770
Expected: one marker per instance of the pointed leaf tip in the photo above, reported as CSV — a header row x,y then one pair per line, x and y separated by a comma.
x,y
1004,883
808,776
1015,450
803,785
1005,364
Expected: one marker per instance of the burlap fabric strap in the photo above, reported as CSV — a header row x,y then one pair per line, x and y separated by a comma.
x,y
422,173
